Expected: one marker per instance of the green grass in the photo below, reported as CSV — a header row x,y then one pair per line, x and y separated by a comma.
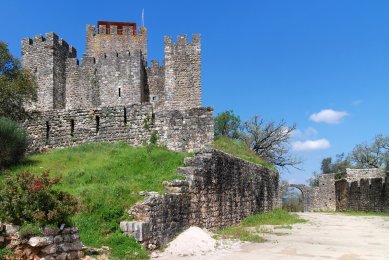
x,y
240,150
363,213
245,232
106,178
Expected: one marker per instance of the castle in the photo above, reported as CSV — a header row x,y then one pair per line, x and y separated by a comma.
x,y
113,95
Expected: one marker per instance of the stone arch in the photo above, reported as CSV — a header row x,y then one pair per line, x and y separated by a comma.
x,y
305,192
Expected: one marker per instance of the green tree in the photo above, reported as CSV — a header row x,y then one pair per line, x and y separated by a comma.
x,y
375,155
17,87
326,165
227,124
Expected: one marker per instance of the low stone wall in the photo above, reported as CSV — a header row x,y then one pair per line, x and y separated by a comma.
x,y
363,195
220,190
187,130
53,244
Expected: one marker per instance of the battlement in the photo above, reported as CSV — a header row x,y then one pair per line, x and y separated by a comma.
x,y
50,39
182,40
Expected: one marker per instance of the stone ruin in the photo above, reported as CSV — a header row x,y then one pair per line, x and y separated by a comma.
x,y
360,190
113,94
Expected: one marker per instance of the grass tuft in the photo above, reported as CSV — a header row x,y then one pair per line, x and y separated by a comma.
x,y
249,228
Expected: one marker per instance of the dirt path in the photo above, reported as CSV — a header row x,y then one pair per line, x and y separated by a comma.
x,y
325,236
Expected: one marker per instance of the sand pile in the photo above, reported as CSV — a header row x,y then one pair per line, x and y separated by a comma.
x,y
193,241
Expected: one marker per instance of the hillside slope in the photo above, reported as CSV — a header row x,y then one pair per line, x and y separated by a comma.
x,y
106,178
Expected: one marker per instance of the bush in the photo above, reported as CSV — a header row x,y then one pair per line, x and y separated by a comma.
x,y
29,230
13,142
25,198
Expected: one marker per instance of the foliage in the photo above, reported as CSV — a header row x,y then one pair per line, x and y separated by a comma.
x,y
270,141
13,142
4,252
240,150
245,230
375,155
326,165
313,181
32,199
17,87
292,200
107,179
29,230
227,124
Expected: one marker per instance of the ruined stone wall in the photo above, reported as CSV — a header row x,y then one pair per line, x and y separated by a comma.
x,y
220,190
100,42
363,195
45,57
180,131
320,198
323,196
182,73
357,174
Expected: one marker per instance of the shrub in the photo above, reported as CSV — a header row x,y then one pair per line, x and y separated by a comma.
x,y
25,198
13,142
29,230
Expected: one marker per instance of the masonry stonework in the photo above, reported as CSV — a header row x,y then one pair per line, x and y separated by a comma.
x,y
366,190
111,92
219,190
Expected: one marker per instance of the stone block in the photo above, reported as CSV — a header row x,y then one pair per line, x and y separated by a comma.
x,y
40,241
50,249
11,229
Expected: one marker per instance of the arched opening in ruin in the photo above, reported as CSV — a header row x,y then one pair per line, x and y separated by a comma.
x,y
293,199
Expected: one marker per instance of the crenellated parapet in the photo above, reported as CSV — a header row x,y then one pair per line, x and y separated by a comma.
x,y
123,40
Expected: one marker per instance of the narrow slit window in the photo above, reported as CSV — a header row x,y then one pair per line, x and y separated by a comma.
x,y
117,55
47,131
97,124
120,94
125,116
72,127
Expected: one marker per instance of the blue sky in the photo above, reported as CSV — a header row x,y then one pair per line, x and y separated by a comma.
x,y
279,59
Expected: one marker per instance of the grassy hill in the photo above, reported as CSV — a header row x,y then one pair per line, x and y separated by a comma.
x,y
240,150
106,178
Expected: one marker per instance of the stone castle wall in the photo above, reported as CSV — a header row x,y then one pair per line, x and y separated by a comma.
x,y
178,130
182,72
369,194
357,174
220,190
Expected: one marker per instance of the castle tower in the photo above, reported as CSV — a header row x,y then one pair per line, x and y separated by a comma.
x,y
182,73
115,37
45,57
120,55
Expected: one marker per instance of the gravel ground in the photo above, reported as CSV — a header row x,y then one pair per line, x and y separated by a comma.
x,y
325,236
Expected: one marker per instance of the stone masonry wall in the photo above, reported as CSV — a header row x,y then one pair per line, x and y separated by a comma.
x,y
52,244
219,190
321,198
363,195
182,73
357,174
178,130
45,57
99,42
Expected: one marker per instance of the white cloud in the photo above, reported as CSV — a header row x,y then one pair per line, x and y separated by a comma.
x,y
308,133
310,145
328,116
